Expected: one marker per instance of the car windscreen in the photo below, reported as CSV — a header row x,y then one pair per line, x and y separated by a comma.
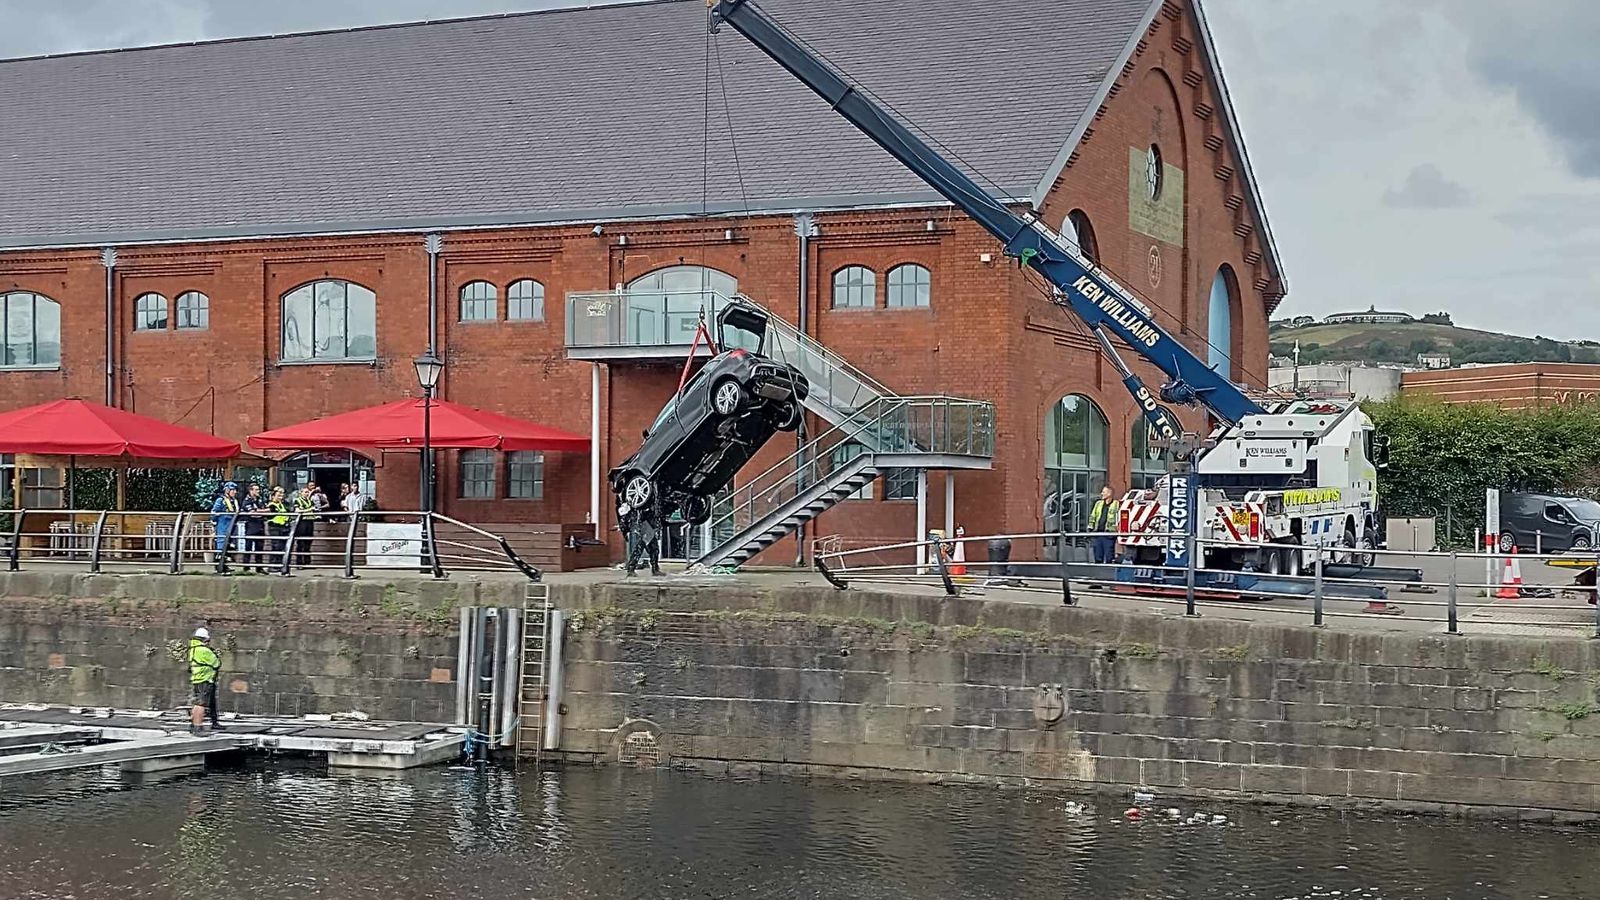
x,y
1586,510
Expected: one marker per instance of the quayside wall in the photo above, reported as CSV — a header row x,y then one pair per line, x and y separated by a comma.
x,y
813,681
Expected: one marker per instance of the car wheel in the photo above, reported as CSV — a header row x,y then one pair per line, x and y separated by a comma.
x,y
638,491
1580,543
1508,542
786,417
727,397
696,511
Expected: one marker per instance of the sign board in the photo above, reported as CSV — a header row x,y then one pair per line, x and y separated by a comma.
x,y
394,546
1181,499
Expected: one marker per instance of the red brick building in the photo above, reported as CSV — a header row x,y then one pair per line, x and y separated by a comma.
x,y
1510,386
240,235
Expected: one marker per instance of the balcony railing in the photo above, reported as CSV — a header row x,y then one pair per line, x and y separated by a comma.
x,y
637,322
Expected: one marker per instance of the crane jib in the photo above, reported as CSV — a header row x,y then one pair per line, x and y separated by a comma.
x,y
1133,323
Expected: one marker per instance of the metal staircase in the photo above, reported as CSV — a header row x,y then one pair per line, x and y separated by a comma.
x,y
889,433
532,692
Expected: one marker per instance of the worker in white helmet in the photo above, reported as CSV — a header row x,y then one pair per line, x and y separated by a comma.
x,y
204,664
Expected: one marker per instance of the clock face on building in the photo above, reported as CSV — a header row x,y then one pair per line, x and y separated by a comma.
x,y
1152,172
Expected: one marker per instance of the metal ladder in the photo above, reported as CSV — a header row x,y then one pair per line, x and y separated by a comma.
x,y
531,680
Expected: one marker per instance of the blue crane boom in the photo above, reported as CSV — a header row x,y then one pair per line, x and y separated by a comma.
x,y
1080,286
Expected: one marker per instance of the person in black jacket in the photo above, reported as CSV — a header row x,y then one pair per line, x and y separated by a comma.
x,y
253,509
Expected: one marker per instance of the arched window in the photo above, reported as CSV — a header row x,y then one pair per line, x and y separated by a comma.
x,y
1219,329
478,302
1147,462
525,301
663,307
1075,454
329,320
30,331
855,287
1079,232
909,285
194,310
150,312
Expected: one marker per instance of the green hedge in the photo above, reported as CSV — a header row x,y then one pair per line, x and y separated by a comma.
x,y
1442,457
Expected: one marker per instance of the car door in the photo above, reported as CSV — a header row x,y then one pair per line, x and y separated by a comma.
x,y
1555,532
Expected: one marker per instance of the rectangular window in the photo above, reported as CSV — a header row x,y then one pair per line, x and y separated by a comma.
x,y
43,489
900,484
525,478
477,474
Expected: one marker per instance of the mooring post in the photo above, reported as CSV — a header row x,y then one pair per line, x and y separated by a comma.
x,y
1454,625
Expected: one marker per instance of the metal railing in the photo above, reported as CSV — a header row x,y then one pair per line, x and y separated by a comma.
x,y
894,425
1448,592
185,542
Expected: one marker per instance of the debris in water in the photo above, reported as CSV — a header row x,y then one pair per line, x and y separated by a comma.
x,y
1133,813
1143,798
1219,820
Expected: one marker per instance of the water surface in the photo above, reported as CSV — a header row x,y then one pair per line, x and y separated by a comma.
x,y
298,833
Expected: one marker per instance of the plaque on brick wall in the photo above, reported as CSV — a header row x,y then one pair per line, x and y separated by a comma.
x,y
1155,211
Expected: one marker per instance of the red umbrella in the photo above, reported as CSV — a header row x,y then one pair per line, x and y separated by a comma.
x,y
77,428
399,425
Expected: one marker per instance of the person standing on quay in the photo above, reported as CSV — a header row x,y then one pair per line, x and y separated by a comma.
x,y
225,517
253,508
307,510
1103,518
278,526
204,664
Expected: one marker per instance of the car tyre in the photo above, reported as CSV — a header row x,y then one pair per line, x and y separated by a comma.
x,y
1508,542
786,416
637,490
727,397
696,511
1580,543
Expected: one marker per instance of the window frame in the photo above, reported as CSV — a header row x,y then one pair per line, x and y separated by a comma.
x,y
310,289
143,312
471,465
848,287
485,302
200,302
892,289
520,462
899,484
536,301
35,300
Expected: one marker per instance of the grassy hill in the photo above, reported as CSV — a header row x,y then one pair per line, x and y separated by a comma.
x,y
1402,343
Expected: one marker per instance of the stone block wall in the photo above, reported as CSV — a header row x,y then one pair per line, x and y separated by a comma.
x,y
289,646
890,686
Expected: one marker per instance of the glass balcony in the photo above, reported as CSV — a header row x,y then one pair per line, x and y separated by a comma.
x,y
608,325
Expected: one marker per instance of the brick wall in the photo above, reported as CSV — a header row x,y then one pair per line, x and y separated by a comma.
x,y
1511,386
989,333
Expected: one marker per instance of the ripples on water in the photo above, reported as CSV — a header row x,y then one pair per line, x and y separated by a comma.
x,y
280,833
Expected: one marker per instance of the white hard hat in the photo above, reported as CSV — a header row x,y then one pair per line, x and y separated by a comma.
x,y
202,633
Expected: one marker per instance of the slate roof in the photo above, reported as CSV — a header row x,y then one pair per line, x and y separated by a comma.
x,y
565,115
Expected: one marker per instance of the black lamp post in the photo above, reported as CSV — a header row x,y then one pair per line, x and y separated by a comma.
x,y
428,369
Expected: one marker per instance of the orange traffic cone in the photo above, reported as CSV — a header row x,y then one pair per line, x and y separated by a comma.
x,y
958,555
1510,578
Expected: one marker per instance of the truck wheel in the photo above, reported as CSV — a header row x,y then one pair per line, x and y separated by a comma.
x,y
1271,560
1508,542
727,397
1293,559
637,490
1366,557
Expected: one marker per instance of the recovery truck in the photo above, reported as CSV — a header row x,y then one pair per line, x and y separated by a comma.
x,y
1293,472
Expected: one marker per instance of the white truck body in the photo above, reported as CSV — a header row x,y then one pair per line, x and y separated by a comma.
x,y
1318,487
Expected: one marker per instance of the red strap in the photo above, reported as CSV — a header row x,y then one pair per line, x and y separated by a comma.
x,y
699,332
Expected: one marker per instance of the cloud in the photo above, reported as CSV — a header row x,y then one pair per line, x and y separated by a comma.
x,y
1427,188
1543,54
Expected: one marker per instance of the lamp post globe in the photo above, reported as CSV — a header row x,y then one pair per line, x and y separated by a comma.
x,y
429,368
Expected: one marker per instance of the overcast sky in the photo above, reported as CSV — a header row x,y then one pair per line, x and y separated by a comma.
x,y
1413,154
